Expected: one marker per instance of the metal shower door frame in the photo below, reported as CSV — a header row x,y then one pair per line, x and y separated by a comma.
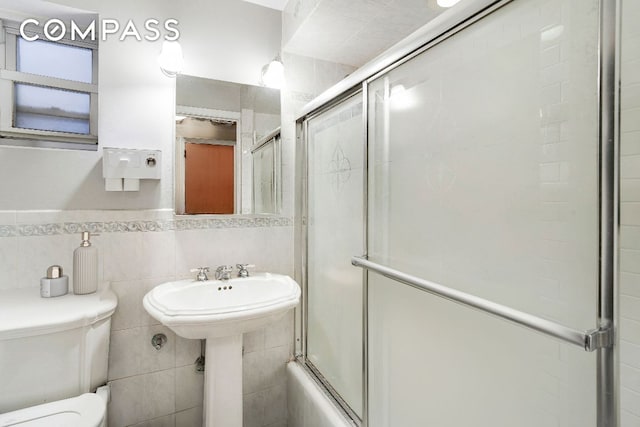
x,y
603,340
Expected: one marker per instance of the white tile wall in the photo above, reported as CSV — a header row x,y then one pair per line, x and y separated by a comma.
x,y
305,78
160,387
629,278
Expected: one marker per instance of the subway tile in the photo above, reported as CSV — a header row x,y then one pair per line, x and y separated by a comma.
x,y
630,377
253,409
630,307
280,332
630,354
41,216
630,120
630,166
123,257
630,260
187,351
627,419
630,68
148,285
629,237
129,311
158,257
158,398
275,408
8,261
629,98
253,341
551,94
630,284
253,372
189,388
153,359
131,352
192,250
629,329
274,364
36,253
554,192
189,418
630,190
8,217
125,407
629,213
630,400
166,421
125,350
630,141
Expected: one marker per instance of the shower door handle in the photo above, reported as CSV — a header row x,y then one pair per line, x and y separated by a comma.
x,y
590,340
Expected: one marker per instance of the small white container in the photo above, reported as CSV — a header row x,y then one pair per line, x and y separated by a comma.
x,y
55,284
85,267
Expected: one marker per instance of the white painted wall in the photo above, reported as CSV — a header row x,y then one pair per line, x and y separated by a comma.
x,y
224,40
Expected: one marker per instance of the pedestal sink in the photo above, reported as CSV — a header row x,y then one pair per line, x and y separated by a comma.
x,y
220,312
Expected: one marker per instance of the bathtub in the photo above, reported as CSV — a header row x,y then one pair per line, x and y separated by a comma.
x,y
309,405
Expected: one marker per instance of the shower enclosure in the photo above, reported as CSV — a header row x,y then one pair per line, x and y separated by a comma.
x,y
457,223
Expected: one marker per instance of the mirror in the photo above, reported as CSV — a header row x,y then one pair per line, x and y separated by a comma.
x,y
225,131
267,196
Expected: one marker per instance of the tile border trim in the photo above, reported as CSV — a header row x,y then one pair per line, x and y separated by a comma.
x,y
179,224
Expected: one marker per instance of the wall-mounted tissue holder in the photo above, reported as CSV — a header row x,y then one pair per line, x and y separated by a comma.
x,y
123,168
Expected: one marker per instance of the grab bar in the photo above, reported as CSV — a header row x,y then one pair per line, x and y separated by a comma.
x,y
590,340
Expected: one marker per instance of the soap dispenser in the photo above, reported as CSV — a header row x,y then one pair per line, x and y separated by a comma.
x,y
85,267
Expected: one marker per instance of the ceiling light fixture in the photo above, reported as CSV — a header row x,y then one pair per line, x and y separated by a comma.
x,y
447,3
273,74
171,59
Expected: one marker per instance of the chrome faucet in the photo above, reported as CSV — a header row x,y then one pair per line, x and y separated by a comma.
x,y
243,269
224,272
202,273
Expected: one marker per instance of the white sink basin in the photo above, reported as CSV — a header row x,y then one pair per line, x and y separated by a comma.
x,y
214,308
220,312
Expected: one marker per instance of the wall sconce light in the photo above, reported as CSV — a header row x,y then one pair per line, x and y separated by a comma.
x,y
273,74
171,59
441,4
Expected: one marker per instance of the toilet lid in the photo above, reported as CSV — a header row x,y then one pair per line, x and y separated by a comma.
x,y
86,410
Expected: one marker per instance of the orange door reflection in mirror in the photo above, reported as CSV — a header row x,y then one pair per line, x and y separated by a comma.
x,y
209,178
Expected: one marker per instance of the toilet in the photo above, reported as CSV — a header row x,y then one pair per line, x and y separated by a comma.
x,y
53,358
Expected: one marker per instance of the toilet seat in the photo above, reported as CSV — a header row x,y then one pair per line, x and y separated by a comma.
x,y
86,410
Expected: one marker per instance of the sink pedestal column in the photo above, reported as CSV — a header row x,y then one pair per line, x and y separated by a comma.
x,y
223,382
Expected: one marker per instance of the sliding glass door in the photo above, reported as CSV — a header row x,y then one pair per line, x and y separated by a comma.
x,y
334,233
486,160
484,178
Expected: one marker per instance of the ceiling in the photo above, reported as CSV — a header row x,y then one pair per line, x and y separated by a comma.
x,y
351,31
19,10
272,4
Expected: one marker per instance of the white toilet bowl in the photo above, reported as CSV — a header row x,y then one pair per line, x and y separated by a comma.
x,y
54,353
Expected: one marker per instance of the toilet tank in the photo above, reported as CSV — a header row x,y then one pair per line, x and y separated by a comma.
x,y
52,348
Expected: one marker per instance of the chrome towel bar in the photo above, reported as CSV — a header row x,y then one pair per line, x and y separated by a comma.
x,y
590,340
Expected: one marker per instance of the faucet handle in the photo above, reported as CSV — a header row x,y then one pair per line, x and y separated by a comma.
x,y
202,273
243,269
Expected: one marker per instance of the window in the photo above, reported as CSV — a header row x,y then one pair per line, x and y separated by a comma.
x,y
48,92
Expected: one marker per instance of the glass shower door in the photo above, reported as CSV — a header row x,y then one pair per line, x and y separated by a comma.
x,y
484,177
334,233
